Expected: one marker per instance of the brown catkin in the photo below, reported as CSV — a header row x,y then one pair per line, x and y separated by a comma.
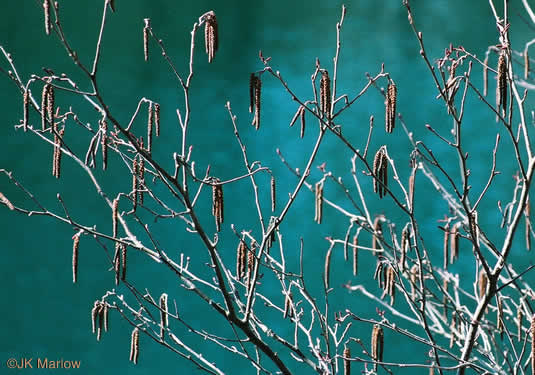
x,y
114,217
446,245
211,38
56,169
302,117
250,266
380,171
252,86
94,315
532,356
325,93
327,269
483,282
355,254
526,64
391,100
377,344
25,109
48,23
391,283
501,87
134,346
117,263
217,203
241,260
164,321
50,104
412,178
414,276
157,118
141,179
257,94
75,247
104,143
519,321
273,194
454,242
150,124
44,105
527,211
105,316
146,39
123,261
347,362
486,75
318,213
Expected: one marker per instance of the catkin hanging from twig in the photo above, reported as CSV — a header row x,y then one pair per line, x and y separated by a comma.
x,y
380,172
164,320
486,75
391,99
135,183
454,242
117,262
25,109
501,87
377,344
325,93
211,38
273,194
347,362
48,23
75,247
241,259
150,124
255,90
355,254
157,118
146,38
134,346
318,211
483,282
44,106
114,216
532,330
377,234
217,203
526,64
104,143
56,162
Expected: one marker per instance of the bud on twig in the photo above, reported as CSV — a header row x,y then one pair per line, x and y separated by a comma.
x,y
483,282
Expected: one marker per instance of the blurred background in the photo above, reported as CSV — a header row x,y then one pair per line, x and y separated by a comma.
x,y
45,315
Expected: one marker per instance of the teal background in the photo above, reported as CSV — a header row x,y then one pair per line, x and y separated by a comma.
x,y
45,315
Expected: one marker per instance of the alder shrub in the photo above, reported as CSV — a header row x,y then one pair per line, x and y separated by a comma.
x,y
273,320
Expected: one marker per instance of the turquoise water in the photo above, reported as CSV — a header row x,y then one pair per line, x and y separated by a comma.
x,y
46,316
